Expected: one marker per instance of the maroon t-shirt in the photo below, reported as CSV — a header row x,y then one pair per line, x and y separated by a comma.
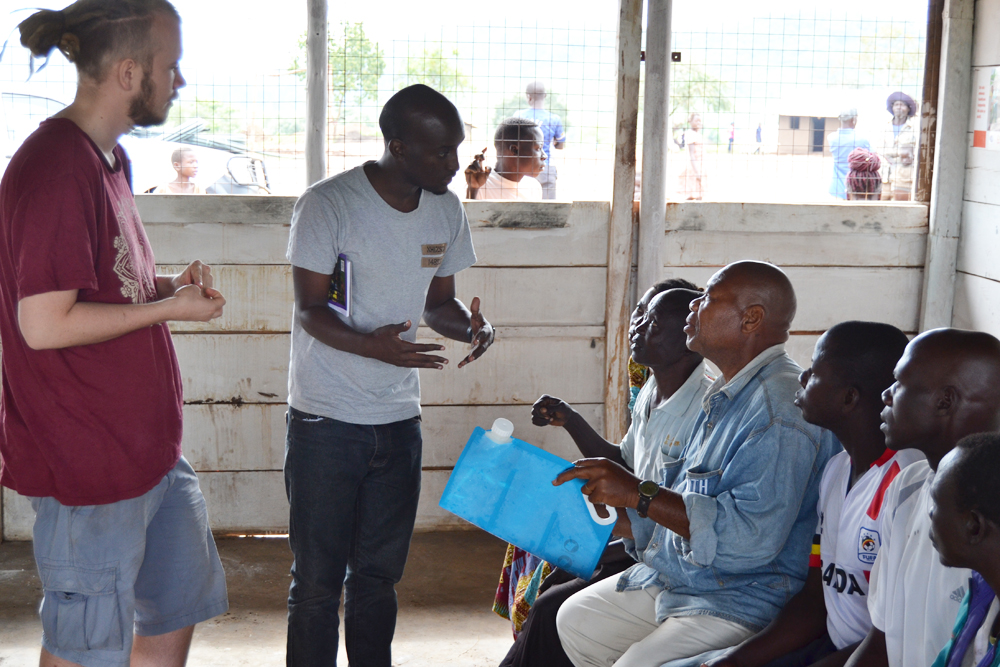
x,y
90,424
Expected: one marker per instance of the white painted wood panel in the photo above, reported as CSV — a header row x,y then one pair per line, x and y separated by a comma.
x,y
231,231
800,348
218,242
245,502
249,209
234,437
523,363
251,502
252,437
18,517
259,297
850,218
982,176
242,368
986,40
979,244
828,295
446,429
686,248
977,304
527,297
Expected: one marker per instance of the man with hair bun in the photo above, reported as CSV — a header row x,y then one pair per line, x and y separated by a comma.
x,y
91,400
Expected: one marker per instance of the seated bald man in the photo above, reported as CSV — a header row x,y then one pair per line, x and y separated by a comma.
x,y
947,387
722,540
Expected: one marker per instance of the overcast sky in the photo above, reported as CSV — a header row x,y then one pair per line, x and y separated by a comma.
x,y
263,33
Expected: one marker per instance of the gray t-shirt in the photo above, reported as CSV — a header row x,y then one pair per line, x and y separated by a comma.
x,y
394,256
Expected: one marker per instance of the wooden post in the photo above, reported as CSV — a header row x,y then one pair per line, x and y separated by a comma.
x,y
317,64
929,101
655,135
950,151
620,226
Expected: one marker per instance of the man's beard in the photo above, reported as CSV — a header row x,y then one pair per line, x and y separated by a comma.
x,y
140,109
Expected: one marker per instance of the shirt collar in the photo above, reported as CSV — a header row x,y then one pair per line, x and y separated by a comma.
x,y
882,460
740,380
686,394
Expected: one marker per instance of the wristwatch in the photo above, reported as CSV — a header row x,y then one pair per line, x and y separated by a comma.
x,y
647,491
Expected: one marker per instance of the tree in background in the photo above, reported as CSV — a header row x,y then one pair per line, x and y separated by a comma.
x,y
892,57
220,118
516,102
356,63
435,69
692,89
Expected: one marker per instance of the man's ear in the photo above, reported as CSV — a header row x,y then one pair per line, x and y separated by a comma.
x,y
129,74
976,527
513,149
946,401
852,397
397,149
753,318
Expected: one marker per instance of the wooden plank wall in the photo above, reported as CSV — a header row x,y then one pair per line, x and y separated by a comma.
x,y
542,277
977,283
847,262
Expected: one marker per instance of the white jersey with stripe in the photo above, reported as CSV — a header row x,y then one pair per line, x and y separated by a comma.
x,y
849,537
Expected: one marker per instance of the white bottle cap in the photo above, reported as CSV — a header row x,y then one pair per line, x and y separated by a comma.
x,y
502,430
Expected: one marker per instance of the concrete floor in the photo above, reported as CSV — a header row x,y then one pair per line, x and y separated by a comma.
x,y
445,601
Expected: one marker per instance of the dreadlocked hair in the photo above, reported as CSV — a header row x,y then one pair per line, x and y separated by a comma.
x,y
92,32
864,181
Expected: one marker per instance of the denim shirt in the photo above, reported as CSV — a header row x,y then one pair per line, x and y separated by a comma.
x,y
749,477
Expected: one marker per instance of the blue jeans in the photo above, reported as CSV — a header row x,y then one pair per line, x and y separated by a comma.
x,y
353,492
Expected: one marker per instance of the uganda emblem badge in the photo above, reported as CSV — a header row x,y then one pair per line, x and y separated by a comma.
x,y
868,544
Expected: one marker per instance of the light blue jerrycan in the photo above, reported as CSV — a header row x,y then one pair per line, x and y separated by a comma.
x,y
504,486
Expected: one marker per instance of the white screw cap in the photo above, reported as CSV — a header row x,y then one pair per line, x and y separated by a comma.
x,y
502,429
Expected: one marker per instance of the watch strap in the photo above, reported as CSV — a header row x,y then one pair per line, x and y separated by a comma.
x,y
645,498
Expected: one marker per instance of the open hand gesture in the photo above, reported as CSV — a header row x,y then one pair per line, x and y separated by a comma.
x,y
387,346
482,334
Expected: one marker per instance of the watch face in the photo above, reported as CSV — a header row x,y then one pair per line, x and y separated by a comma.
x,y
649,488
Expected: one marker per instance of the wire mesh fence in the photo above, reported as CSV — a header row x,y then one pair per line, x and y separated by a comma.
x,y
761,108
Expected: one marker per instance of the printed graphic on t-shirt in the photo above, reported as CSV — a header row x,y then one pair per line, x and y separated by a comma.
x,y
842,581
128,244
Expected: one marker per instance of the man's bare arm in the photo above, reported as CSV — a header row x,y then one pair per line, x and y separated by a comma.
x,y
55,320
871,652
552,411
448,316
384,343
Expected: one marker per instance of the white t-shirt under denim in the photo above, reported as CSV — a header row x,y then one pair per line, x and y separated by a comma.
x,y
394,257
658,436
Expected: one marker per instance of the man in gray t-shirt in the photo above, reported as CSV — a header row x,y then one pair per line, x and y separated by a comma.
x,y
352,457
